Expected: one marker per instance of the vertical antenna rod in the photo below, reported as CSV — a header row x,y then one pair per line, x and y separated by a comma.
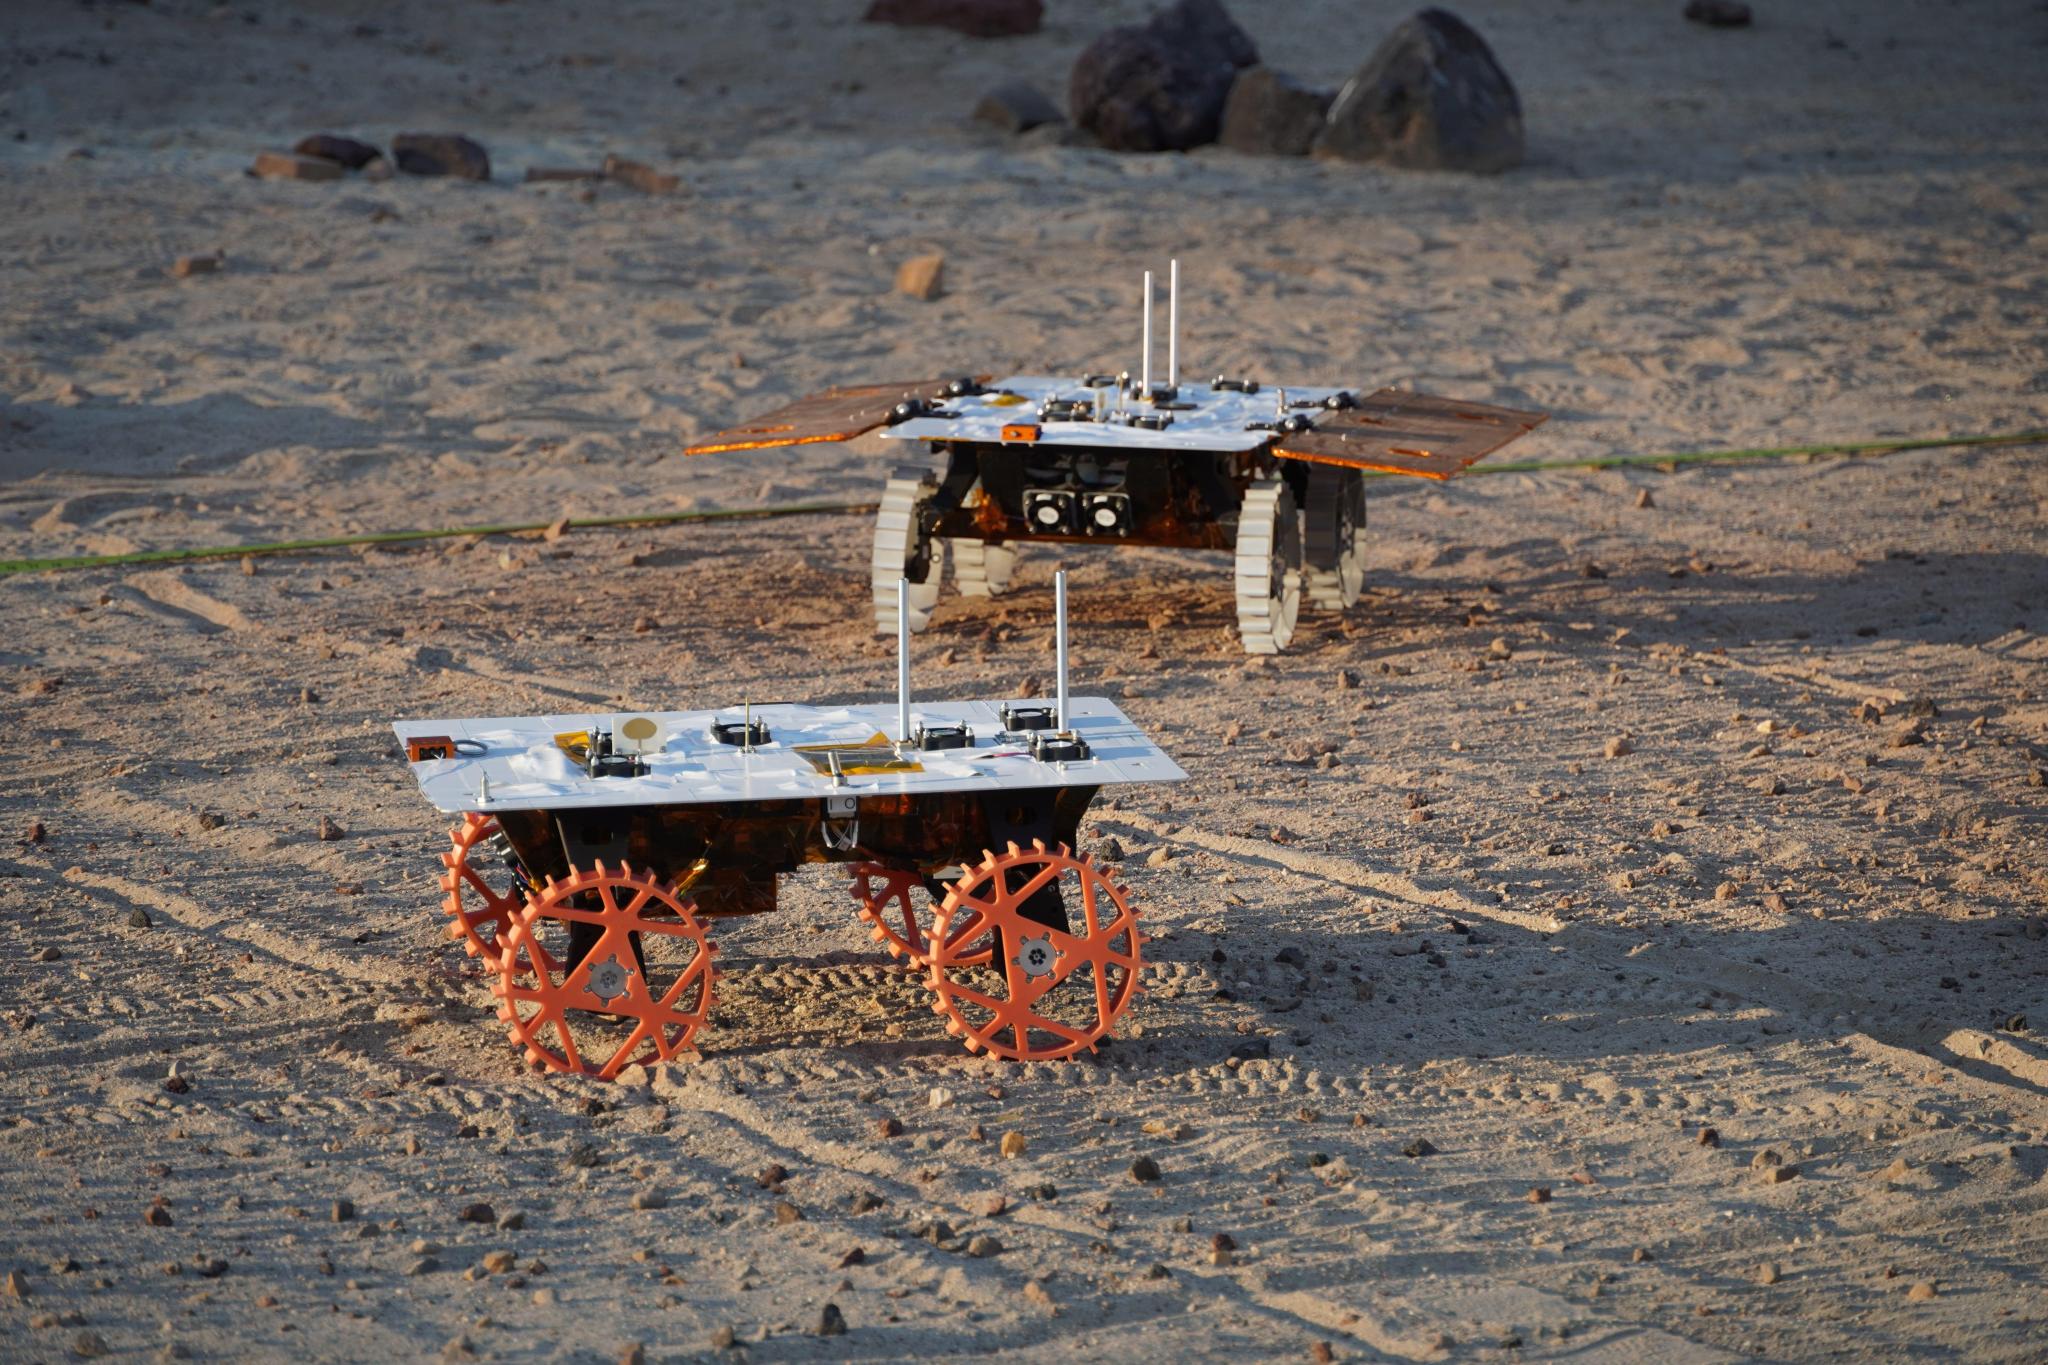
x,y
1146,388
903,660
1059,645
1173,324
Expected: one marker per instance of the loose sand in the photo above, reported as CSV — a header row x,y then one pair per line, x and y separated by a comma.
x,y
1554,966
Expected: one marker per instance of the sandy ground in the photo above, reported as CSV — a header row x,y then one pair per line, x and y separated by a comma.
x,y
1772,918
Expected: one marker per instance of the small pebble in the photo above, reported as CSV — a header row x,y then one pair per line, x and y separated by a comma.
x,y
921,277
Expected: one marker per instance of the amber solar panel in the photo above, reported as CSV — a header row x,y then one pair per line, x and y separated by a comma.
x,y
1410,433
837,414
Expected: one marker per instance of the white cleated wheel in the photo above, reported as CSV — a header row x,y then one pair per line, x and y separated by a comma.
x,y
1268,567
1334,545
982,570
896,546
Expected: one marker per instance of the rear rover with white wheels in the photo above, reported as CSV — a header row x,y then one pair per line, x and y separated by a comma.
x,y
1273,476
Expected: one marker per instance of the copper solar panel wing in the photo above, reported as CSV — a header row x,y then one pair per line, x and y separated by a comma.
x,y
1417,434
837,414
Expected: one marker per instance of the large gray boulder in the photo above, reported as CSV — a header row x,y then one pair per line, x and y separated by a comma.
x,y
1160,86
1432,98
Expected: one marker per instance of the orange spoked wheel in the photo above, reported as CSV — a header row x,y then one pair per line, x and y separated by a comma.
x,y
603,969
1046,991
479,913
887,899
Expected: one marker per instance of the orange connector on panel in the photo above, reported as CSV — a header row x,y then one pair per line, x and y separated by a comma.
x,y
420,748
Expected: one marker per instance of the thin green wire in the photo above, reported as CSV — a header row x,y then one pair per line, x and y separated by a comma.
x,y
797,509
794,509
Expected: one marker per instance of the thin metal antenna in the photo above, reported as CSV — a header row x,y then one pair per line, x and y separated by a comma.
x,y
746,725
483,790
1059,644
903,660
1173,324
1146,389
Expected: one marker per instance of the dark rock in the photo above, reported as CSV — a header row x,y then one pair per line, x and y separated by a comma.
x,y
477,1213
975,18
344,150
441,154
1421,1147
1018,107
831,1322
1718,13
1431,98
1144,1170
138,918
1160,86
1270,114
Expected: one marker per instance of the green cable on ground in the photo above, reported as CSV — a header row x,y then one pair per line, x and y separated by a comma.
x,y
2015,438
282,547
797,509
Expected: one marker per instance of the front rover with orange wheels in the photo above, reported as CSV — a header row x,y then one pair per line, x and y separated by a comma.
x,y
594,850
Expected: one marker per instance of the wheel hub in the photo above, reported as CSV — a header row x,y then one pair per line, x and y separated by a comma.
x,y
608,980
1036,956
